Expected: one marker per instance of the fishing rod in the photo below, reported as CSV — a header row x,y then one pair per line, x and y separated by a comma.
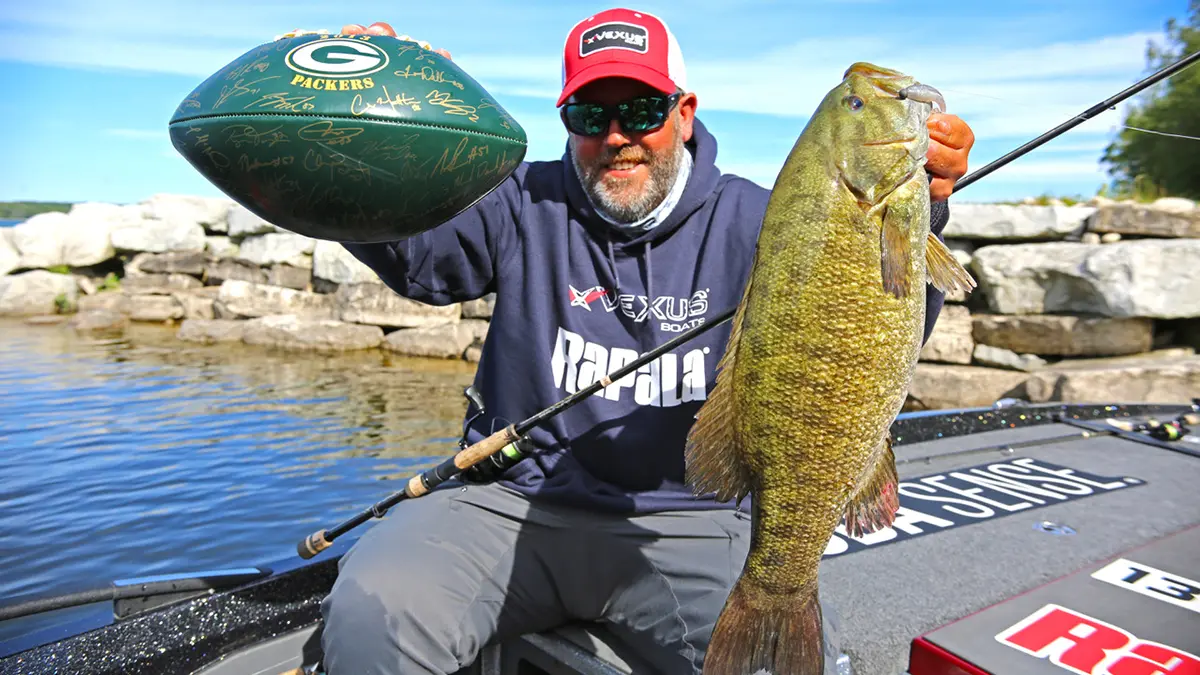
x,y
507,446
1082,117
503,448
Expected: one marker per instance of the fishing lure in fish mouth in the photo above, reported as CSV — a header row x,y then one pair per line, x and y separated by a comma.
x,y
924,93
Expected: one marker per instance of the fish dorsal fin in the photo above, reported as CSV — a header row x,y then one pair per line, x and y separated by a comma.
x,y
713,454
945,272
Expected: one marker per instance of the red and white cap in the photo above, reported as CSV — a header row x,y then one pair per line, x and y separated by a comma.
x,y
622,43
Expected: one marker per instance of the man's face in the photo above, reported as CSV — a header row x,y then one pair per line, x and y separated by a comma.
x,y
628,174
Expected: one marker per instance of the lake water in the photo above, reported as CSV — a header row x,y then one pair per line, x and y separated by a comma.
x,y
9,222
149,455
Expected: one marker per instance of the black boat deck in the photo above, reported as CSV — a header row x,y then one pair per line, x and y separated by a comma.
x,y
995,503
887,595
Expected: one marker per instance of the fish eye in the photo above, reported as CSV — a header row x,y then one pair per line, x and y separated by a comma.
x,y
854,103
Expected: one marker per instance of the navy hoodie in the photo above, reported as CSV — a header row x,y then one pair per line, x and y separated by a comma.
x,y
576,298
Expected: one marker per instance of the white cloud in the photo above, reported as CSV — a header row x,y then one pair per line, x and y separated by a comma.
x,y
114,51
1002,92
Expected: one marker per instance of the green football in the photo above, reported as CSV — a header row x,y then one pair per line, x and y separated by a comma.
x,y
348,138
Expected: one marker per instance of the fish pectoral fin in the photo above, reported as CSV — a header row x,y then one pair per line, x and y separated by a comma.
x,y
895,254
873,506
945,272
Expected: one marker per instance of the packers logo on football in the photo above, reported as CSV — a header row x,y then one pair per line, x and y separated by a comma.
x,y
336,64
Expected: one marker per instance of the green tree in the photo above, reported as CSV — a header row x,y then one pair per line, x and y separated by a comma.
x,y
23,210
1151,165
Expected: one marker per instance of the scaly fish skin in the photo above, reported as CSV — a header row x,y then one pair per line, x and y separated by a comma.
x,y
820,357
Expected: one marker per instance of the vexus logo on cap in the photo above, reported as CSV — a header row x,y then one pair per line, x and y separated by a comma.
x,y
622,43
614,35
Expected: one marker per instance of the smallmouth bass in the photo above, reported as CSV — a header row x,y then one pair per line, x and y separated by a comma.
x,y
820,356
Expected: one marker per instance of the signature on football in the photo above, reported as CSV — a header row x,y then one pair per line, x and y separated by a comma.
x,y
428,74
246,164
240,88
453,106
260,64
327,133
281,101
359,106
338,164
246,134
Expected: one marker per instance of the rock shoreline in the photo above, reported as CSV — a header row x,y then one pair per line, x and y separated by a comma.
x,y
1095,302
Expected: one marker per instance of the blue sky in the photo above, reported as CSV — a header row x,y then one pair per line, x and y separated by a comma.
x,y
89,86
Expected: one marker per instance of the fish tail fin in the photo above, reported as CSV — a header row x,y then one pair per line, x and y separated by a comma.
x,y
762,634
945,272
873,507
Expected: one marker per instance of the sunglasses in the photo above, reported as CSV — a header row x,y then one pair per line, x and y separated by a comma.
x,y
636,115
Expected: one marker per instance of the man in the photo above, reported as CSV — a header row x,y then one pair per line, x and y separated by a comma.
x,y
633,237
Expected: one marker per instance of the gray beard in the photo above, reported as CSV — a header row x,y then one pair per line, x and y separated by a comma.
x,y
664,167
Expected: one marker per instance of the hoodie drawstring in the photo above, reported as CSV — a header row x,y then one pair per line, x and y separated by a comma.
x,y
649,275
612,262
616,274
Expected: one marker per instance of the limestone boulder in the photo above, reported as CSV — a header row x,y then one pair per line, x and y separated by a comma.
x,y
936,386
211,331
1146,220
1144,278
116,301
100,323
998,357
232,269
480,308
241,299
277,247
1063,335
333,263
378,305
950,341
244,223
210,213
159,284
10,258
171,262
198,303
447,341
78,238
1014,223
289,276
1174,380
220,247
152,307
322,335
36,292
158,236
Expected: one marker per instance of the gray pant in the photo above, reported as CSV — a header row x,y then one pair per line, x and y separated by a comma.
x,y
442,576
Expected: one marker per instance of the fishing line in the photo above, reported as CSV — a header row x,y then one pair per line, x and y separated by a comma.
x,y
1108,104
1162,133
1077,117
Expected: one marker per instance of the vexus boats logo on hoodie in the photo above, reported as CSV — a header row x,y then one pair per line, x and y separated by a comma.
x,y
665,382
674,315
